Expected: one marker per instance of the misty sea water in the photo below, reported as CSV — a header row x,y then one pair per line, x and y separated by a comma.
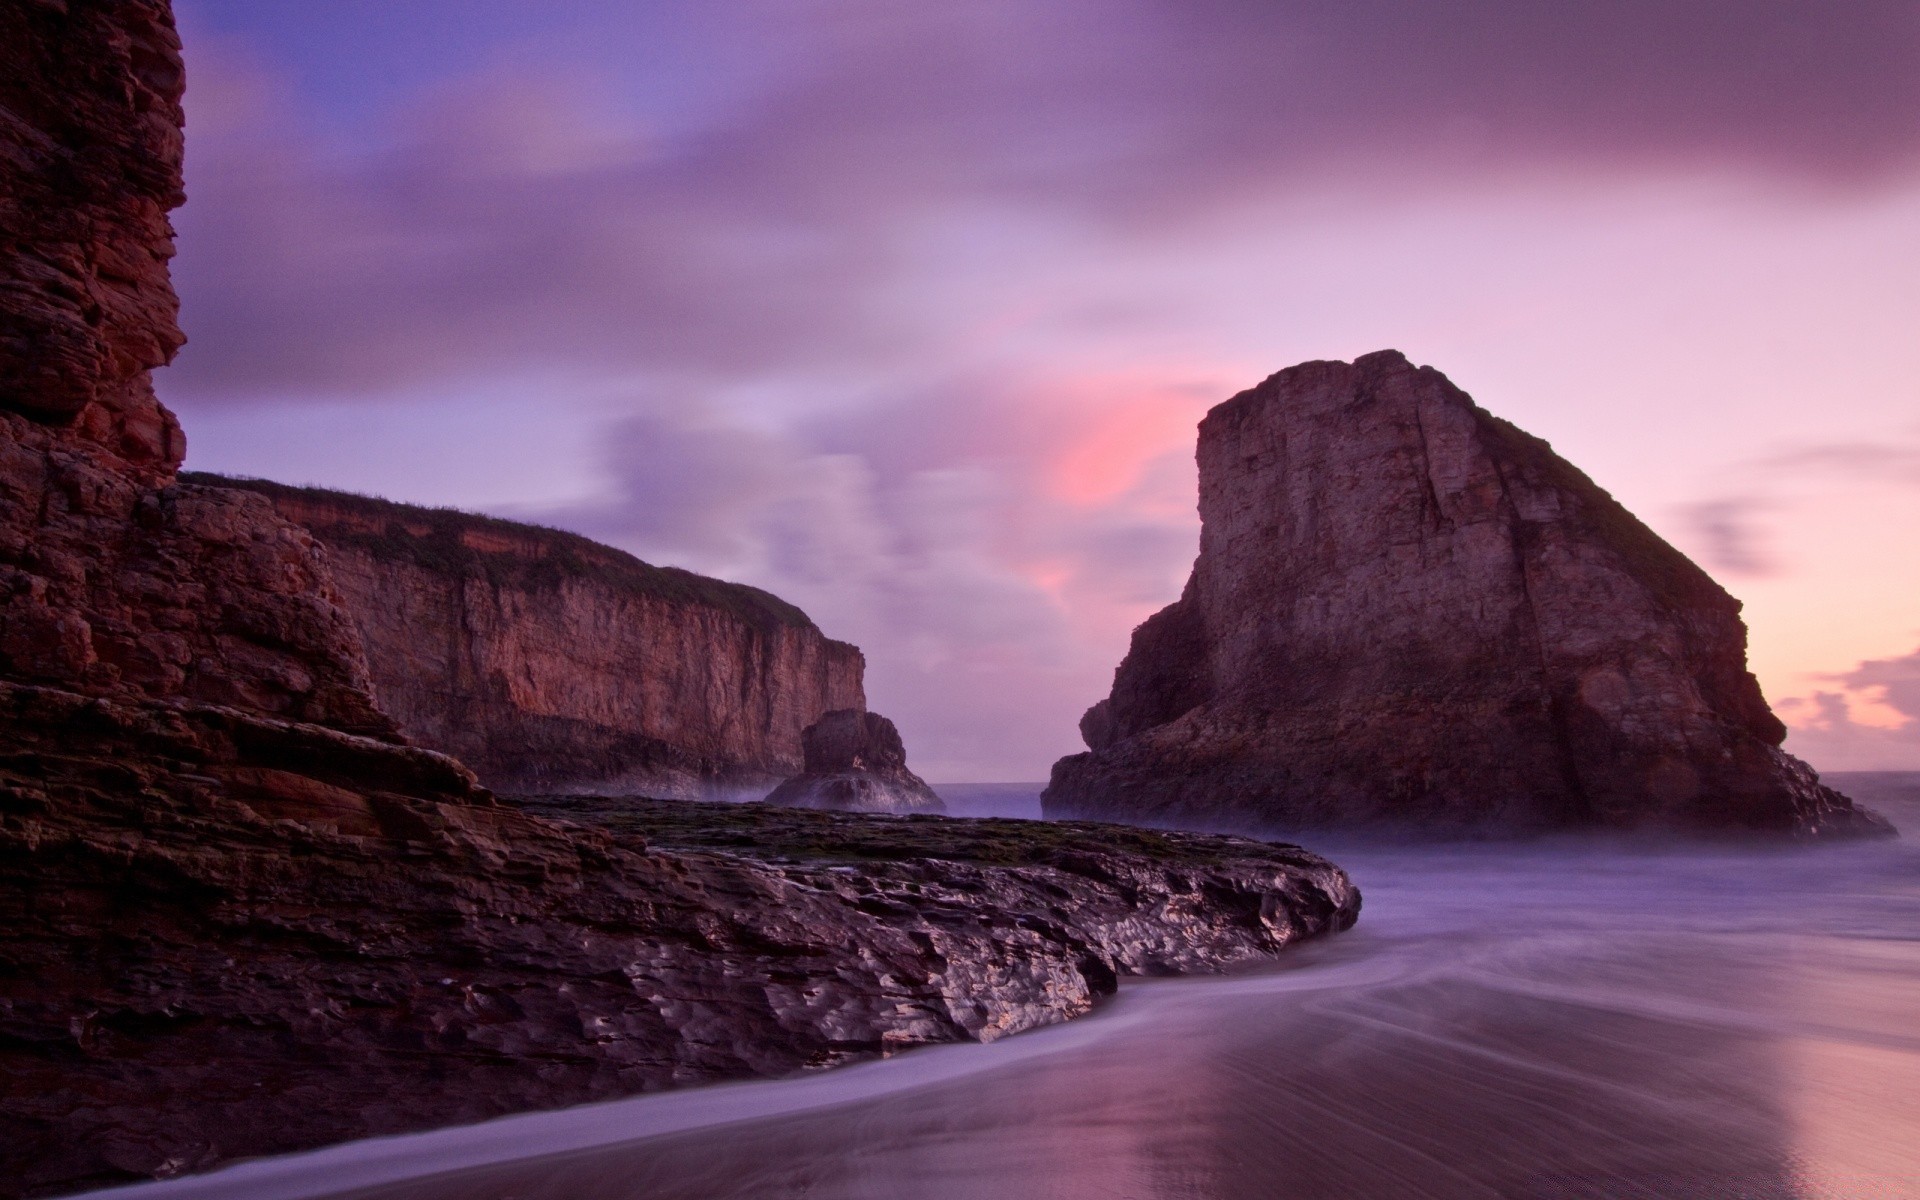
x,y
1549,1019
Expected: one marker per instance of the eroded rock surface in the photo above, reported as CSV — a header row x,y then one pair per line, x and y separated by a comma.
x,y
90,151
856,762
1407,610
548,662
207,956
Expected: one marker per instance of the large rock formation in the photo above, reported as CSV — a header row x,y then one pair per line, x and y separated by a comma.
x,y
548,662
240,914
202,957
1407,610
856,762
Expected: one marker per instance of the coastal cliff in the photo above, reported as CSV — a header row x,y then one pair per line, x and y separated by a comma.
x,y
240,914
1406,610
548,662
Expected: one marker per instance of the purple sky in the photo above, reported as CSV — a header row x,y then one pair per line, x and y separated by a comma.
x,y
906,311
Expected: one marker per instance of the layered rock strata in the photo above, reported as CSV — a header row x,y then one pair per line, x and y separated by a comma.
x,y
856,762
548,662
1407,610
239,913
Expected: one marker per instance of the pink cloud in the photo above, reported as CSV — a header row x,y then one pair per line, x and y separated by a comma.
x,y
1872,725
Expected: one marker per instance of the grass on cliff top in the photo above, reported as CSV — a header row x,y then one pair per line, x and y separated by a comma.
x,y
567,556
766,832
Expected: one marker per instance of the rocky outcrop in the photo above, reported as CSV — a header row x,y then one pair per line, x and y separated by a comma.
x,y
856,762
113,582
90,152
548,662
1408,610
202,956
240,914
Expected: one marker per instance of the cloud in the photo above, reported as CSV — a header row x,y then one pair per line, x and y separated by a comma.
x,y
991,612
1872,725
1893,461
1730,533
1899,682
871,300
521,215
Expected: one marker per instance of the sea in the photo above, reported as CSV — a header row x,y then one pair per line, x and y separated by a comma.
x,y
1534,1020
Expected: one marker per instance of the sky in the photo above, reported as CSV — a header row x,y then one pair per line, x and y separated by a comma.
x,y
907,312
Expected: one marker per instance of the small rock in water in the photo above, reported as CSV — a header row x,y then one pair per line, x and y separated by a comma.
x,y
856,762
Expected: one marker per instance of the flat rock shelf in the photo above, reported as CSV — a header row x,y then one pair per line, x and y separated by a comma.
x,y
193,980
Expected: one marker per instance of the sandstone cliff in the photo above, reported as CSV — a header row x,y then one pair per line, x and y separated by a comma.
x,y
856,762
548,662
239,914
1405,609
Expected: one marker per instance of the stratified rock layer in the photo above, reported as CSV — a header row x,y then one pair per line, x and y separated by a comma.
x,y
548,662
856,762
1407,610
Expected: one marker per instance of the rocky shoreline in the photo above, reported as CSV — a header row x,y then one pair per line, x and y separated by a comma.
x,y
197,968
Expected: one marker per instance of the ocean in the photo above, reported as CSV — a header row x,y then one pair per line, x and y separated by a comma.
x,y
1544,1019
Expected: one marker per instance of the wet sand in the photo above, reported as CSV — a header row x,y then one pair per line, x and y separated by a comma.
x,y
1570,1020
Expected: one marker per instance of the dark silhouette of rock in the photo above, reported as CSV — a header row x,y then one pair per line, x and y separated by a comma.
x,y
1407,610
856,762
240,914
550,663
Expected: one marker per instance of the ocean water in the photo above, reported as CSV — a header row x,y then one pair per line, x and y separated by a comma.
x,y
1543,1020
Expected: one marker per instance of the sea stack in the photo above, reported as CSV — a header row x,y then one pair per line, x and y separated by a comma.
x,y
1408,611
856,762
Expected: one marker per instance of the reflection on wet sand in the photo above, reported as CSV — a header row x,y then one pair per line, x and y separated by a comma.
x,y
1570,1021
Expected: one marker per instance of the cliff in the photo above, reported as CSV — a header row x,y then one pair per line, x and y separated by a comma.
x,y
240,914
548,662
1407,610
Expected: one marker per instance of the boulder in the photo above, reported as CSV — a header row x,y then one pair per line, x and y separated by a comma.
x,y
856,762
1406,610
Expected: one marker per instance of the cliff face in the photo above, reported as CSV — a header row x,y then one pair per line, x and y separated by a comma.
x,y
1405,609
113,582
550,663
90,152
